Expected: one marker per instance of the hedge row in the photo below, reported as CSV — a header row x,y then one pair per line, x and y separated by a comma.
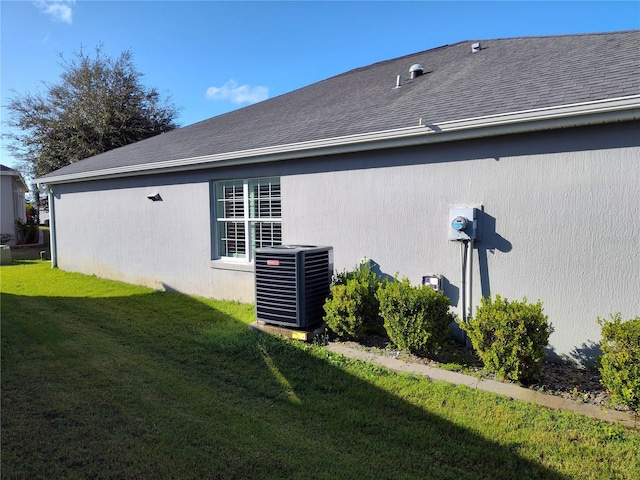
x,y
509,336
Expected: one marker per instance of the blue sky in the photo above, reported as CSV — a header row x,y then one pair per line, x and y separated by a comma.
x,y
211,57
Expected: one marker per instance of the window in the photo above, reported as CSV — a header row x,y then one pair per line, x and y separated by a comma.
x,y
247,216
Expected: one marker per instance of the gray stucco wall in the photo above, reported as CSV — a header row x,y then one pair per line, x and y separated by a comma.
x,y
111,229
560,222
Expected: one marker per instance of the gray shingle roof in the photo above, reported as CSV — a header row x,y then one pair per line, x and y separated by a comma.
x,y
506,75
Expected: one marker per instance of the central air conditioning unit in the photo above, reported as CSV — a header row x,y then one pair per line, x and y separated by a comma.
x,y
292,284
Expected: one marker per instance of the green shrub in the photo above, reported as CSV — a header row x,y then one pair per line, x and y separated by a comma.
x,y
416,319
27,231
619,364
510,337
352,308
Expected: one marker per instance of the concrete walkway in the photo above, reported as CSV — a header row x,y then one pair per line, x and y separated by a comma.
x,y
628,420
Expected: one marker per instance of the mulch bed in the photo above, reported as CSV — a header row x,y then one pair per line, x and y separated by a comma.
x,y
561,379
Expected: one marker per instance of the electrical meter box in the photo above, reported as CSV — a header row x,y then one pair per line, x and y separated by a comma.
x,y
463,223
433,280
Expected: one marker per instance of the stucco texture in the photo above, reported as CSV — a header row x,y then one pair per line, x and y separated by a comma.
x,y
559,222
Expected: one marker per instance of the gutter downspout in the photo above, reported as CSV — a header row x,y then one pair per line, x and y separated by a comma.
x,y
52,229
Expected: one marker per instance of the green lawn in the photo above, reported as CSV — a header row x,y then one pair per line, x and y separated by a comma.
x,y
102,379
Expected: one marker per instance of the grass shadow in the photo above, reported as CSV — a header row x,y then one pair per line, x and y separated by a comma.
x,y
160,385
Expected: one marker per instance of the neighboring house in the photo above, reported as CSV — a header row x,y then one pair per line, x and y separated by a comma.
x,y
12,202
540,133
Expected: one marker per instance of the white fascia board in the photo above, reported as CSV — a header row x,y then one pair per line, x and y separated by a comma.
x,y
17,176
565,116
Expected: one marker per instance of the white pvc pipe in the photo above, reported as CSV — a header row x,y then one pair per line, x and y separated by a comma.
x,y
52,230
463,279
469,279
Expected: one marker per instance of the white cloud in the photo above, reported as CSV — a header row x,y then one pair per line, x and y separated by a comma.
x,y
238,93
58,9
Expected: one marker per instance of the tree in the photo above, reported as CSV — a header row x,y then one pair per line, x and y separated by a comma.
x,y
99,104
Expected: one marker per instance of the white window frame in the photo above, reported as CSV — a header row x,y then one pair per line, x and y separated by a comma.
x,y
247,222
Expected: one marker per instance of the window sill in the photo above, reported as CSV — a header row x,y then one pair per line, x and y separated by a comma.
x,y
230,265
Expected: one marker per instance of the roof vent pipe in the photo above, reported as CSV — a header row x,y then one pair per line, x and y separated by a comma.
x,y
416,70
398,81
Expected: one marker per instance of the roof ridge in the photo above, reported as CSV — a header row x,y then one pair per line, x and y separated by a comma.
x,y
464,42
555,35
